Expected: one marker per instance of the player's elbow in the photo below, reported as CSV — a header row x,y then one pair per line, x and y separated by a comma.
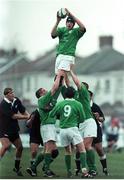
x,y
53,36
83,29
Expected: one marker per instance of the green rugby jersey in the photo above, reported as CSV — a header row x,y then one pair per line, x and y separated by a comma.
x,y
69,112
47,101
63,89
82,95
68,40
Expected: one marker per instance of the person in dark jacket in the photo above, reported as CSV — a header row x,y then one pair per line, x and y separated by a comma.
x,y
97,142
34,133
11,110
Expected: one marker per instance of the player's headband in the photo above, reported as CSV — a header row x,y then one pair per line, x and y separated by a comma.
x,y
70,19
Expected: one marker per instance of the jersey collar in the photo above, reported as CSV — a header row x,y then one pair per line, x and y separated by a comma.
x,y
10,102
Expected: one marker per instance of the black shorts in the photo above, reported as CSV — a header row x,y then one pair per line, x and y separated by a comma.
x,y
98,139
12,137
36,139
111,137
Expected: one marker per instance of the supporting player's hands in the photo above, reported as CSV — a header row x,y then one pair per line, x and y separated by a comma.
x,y
96,114
98,117
30,121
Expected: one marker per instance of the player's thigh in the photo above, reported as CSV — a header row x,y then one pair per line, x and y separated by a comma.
x,y
5,142
98,139
50,145
68,150
80,147
18,143
99,149
88,142
34,147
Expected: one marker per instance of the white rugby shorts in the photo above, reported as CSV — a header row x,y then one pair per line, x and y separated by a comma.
x,y
88,128
48,132
70,135
63,62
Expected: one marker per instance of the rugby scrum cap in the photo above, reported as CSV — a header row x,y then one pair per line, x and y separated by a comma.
x,y
70,19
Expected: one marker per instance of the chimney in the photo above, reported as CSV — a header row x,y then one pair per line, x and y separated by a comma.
x,y
105,41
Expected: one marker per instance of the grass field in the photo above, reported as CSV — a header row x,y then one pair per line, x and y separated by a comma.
x,y
115,164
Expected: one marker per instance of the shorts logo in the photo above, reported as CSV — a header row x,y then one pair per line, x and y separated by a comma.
x,y
6,135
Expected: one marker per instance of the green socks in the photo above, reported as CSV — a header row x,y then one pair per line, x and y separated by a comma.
x,y
83,159
68,162
47,160
91,159
38,159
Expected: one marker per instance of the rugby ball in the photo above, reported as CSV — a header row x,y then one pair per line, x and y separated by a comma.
x,y
62,13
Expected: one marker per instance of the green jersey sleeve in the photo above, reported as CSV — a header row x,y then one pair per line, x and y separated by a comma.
x,y
56,95
79,32
82,115
44,100
55,111
84,98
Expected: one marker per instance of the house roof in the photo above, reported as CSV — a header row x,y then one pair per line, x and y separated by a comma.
x,y
107,59
15,65
45,63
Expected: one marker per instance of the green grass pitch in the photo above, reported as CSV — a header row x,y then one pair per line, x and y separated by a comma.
x,y
115,165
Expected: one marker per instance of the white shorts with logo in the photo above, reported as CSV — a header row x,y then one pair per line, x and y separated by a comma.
x,y
63,62
70,135
48,133
88,128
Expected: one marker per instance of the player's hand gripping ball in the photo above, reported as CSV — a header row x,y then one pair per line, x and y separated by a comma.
x,y
62,13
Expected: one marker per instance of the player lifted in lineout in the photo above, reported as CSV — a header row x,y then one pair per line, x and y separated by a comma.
x,y
68,39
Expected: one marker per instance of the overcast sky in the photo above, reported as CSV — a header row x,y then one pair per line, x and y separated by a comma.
x,y
26,24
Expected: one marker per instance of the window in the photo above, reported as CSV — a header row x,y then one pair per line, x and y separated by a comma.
x,y
28,84
107,86
97,87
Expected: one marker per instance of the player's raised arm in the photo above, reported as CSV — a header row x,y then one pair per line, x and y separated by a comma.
x,y
54,29
75,79
57,83
67,81
80,24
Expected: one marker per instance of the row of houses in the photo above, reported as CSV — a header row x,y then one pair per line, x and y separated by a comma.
x,y
103,70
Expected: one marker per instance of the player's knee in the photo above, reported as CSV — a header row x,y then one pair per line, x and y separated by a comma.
x,y
20,148
33,153
6,146
55,153
88,145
